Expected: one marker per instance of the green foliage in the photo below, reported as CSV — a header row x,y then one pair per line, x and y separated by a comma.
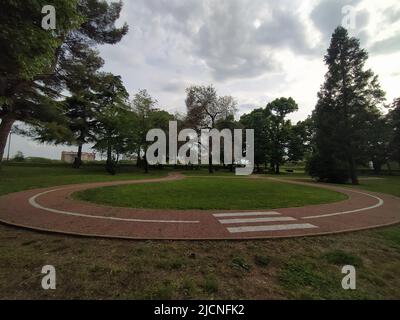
x,y
38,64
275,138
327,169
27,49
347,102
394,125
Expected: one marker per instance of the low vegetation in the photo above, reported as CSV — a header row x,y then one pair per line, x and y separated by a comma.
x,y
216,193
298,268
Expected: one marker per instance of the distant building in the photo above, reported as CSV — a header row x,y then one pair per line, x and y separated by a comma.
x,y
69,156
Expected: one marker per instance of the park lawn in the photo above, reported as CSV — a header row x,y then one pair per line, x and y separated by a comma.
x,y
300,268
22,177
389,185
206,193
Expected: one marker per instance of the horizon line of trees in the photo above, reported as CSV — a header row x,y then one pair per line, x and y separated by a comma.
x,y
53,82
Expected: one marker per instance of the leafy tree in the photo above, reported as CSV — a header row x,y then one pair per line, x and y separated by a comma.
x,y
205,108
394,125
19,157
27,91
300,137
230,124
345,102
76,122
378,142
275,139
259,122
111,106
144,106
39,63
279,129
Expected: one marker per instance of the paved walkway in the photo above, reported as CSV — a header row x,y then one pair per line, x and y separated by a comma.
x,y
52,209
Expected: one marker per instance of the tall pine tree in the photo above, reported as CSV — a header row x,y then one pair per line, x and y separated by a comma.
x,y
346,101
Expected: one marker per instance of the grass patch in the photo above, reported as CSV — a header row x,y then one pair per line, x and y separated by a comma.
x,y
240,263
389,185
262,261
342,258
87,268
210,284
206,194
17,178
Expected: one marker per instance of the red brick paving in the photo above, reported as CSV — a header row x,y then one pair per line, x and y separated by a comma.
x,y
15,209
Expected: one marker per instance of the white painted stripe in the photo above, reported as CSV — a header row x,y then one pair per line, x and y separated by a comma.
x,y
379,204
256,220
277,227
245,214
33,203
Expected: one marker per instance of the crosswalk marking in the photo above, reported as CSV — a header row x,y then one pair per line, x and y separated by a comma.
x,y
277,227
245,214
255,220
259,222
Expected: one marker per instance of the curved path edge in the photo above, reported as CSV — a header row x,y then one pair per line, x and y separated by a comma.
x,y
53,210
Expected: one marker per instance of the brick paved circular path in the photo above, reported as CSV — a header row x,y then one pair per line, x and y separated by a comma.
x,y
52,209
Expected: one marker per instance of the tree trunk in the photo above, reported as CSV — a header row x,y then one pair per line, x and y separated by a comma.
x,y
78,160
138,158
277,168
110,165
272,167
5,129
146,164
377,165
353,171
389,168
210,165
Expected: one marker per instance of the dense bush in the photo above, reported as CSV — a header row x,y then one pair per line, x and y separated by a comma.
x,y
327,169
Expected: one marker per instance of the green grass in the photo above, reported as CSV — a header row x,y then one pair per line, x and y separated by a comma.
x,y
23,177
387,184
308,268
205,194
342,258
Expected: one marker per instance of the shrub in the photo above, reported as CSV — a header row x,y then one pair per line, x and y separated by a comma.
x,y
19,157
327,169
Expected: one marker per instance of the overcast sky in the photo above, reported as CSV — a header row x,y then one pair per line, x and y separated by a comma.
x,y
254,50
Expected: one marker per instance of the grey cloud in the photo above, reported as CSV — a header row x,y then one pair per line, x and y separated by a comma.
x,y
233,47
173,86
390,44
226,42
284,30
221,34
386,46
392,14
327,15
